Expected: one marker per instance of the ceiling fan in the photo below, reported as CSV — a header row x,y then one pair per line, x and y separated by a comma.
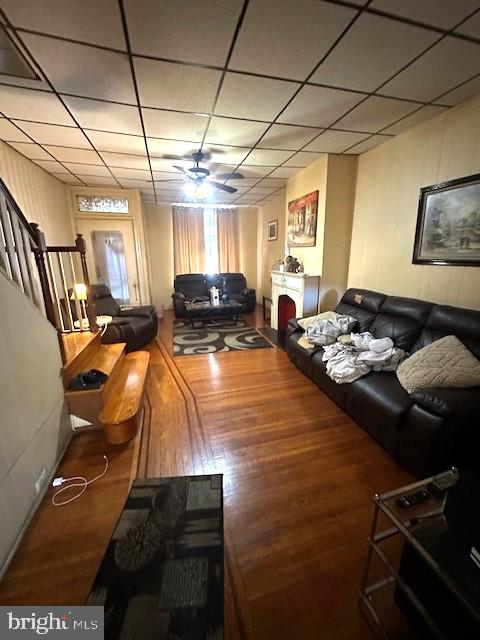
x,y
199,182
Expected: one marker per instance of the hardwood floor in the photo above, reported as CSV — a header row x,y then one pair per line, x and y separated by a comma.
x,y
299,476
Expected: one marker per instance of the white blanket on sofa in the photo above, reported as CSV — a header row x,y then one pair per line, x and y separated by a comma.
x,y
347,363
325,328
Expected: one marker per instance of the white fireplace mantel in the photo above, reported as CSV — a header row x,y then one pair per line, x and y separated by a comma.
x,y
303,289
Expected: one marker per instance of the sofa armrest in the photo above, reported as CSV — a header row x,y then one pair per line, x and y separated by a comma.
x,y
143,312
178,296
461,404
248,292
294,326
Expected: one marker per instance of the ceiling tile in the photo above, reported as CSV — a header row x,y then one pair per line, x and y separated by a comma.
x,y
471,27
128,183
88,169
247,182
30,150
268,157
233,131
64,154
287,39
55,134
70,19
125,160
375,114
159,147
254,172
225,154
116,142
173,124
165,164
68,178
319,106
287,136
94,180
442,68
52,166
333,141
244,96
262,191
276,183
439,13
82,70
138,174
26,104
10,133
425,113
465,91
189,30
303,159
373,49
166,175
374,141
284,172
96,114
168,85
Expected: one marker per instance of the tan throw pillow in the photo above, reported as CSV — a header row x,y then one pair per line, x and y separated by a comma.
x,y
326,315
444,363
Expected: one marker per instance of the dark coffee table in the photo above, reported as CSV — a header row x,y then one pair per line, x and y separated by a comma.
x,y
208,311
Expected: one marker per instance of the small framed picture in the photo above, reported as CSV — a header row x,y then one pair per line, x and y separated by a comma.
x,y
448,223
273,230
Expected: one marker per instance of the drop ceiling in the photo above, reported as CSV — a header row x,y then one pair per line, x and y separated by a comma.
x,y
126,88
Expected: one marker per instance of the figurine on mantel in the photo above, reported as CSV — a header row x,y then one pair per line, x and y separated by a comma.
x,y
293,265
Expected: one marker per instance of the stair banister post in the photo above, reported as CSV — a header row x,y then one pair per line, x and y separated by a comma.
x,y
90,306
40,251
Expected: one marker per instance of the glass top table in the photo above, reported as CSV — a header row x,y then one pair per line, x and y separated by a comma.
x,y
425,530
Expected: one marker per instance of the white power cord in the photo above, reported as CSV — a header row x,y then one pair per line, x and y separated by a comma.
x,y
75,481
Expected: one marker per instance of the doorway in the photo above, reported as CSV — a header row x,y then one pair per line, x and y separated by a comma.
x,y
111,257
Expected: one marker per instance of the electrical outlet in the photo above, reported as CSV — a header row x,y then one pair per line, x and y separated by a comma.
x,y
41,480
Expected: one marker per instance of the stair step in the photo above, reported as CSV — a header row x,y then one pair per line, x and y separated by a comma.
x,y
82,347
124,397
106,357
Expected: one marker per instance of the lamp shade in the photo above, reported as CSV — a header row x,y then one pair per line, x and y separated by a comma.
x,y
79,291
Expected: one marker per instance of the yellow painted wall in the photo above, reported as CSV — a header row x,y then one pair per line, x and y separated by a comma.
x,y
42,198
312,178
247,239
389,179
159,237
269,250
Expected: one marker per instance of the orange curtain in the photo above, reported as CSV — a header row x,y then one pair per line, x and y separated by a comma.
x,y
227,235
188,240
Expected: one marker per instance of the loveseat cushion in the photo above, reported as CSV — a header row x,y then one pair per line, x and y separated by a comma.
x,y
444,320
449,403
402,330
361,304
382,394
191,285
105,304
146,311
232,282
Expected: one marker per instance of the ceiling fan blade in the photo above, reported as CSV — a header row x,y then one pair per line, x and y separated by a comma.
x,y
182,169
171,180
229,176
223,187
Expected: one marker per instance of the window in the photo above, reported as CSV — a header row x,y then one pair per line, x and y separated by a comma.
x,y
102,204
211,240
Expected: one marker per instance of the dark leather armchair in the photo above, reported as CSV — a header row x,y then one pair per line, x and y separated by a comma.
x,y
196,286
137,326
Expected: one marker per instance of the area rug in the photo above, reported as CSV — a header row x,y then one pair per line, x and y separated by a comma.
x,y
213,338
162,575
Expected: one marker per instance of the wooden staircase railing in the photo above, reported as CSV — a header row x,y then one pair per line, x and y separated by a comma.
x,y
47,275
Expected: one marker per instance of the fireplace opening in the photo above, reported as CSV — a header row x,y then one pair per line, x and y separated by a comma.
x,y
286,311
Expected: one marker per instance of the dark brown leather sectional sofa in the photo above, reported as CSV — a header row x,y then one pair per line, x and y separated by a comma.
x,y
428,431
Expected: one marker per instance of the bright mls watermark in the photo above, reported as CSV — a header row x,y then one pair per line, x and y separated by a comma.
x,y
59,622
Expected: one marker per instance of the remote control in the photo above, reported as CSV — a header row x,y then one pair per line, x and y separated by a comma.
x,y
411,499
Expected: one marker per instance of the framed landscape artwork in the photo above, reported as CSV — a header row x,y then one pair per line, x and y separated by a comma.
x,y
302,221
448,223
272,230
